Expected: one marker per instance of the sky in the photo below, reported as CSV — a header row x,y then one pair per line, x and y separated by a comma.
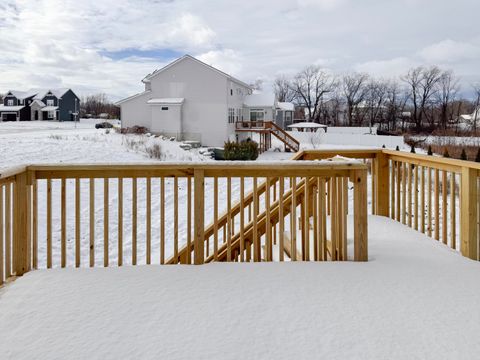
x,y
108,46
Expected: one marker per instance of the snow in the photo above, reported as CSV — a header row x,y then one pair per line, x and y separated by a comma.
x,y
286,106
11,108
414,299
260,100
166,101
307,125
42,142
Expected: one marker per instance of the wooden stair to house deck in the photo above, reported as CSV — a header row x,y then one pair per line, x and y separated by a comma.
x,y
248,234
266,129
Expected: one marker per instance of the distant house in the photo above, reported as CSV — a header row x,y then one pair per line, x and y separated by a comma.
x,y
191,100
285,114
53,104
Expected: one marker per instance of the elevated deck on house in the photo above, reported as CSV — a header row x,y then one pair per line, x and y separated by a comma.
x,y
265,129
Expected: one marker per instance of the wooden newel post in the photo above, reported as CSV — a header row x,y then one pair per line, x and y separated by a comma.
x,y
382,181
20,225
360,227
468,213
199,214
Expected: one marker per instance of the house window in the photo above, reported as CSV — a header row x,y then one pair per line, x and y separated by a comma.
x,y
237,114
231,92
50,102
231,116
257,115
9,102
164,107
21,102
51,114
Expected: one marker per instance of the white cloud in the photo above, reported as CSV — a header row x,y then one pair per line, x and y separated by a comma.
x,y
450,51
70,43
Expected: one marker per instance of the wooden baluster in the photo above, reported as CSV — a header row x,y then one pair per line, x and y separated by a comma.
x,y
281,219
444,207
63,225
429,201
452,211
322,220
409,192
2,264
49,223
360,237
333,219
415,198
293,225
268,222
242,219
437,203
189,221
392,190
397,195
175,219
315,217
148,229
199,216
162,220
404,193
120,222
106,216
229,219
215,218
344,217
134,221
34,223
306,219
422,199
92,222
372,177
77,223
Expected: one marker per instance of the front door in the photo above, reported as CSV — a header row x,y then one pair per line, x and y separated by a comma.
x,y
36,114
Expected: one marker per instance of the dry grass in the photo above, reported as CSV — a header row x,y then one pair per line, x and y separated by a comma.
x,y
442,144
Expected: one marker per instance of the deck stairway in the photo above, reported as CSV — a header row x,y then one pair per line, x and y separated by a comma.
x,y
266,129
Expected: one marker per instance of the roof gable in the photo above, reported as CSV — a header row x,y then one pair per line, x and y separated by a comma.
x,y
185,57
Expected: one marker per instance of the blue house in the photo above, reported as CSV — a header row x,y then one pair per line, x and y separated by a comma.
x,y
52,104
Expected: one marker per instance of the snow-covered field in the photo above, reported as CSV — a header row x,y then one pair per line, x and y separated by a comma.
x,y
414,299
40,142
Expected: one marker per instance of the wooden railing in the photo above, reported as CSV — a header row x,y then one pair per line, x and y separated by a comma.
x,y
270,127
433,195
104,215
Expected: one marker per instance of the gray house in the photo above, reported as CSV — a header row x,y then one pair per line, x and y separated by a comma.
x,y
52,104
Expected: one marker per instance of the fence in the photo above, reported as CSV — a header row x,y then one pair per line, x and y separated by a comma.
x,y
104,215
436,196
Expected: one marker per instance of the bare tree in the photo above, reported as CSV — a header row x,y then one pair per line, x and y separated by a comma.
x,y
396,99
257,85
310,85
97,104
354,90
283,90
375,101
448,89
476,111
422,83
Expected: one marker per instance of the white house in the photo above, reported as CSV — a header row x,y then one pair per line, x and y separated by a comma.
x,y
191,100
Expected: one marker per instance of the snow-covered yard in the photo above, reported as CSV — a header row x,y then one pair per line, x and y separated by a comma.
x,y
414,299
41,142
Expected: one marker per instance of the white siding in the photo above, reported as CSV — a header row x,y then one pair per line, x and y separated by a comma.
x,y
136,112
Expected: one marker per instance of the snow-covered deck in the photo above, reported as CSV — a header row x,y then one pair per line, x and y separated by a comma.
x,y
415,298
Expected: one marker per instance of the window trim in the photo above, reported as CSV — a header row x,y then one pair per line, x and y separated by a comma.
x,y
9,102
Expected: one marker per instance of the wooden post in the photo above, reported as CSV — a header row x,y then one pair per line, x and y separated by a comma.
x,y
360,227
199,209
20,224
382,182
468,213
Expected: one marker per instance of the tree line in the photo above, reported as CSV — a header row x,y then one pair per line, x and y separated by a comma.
x,y
97,104
424,98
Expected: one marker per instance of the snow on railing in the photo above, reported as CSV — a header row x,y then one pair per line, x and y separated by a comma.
x,y
103,215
